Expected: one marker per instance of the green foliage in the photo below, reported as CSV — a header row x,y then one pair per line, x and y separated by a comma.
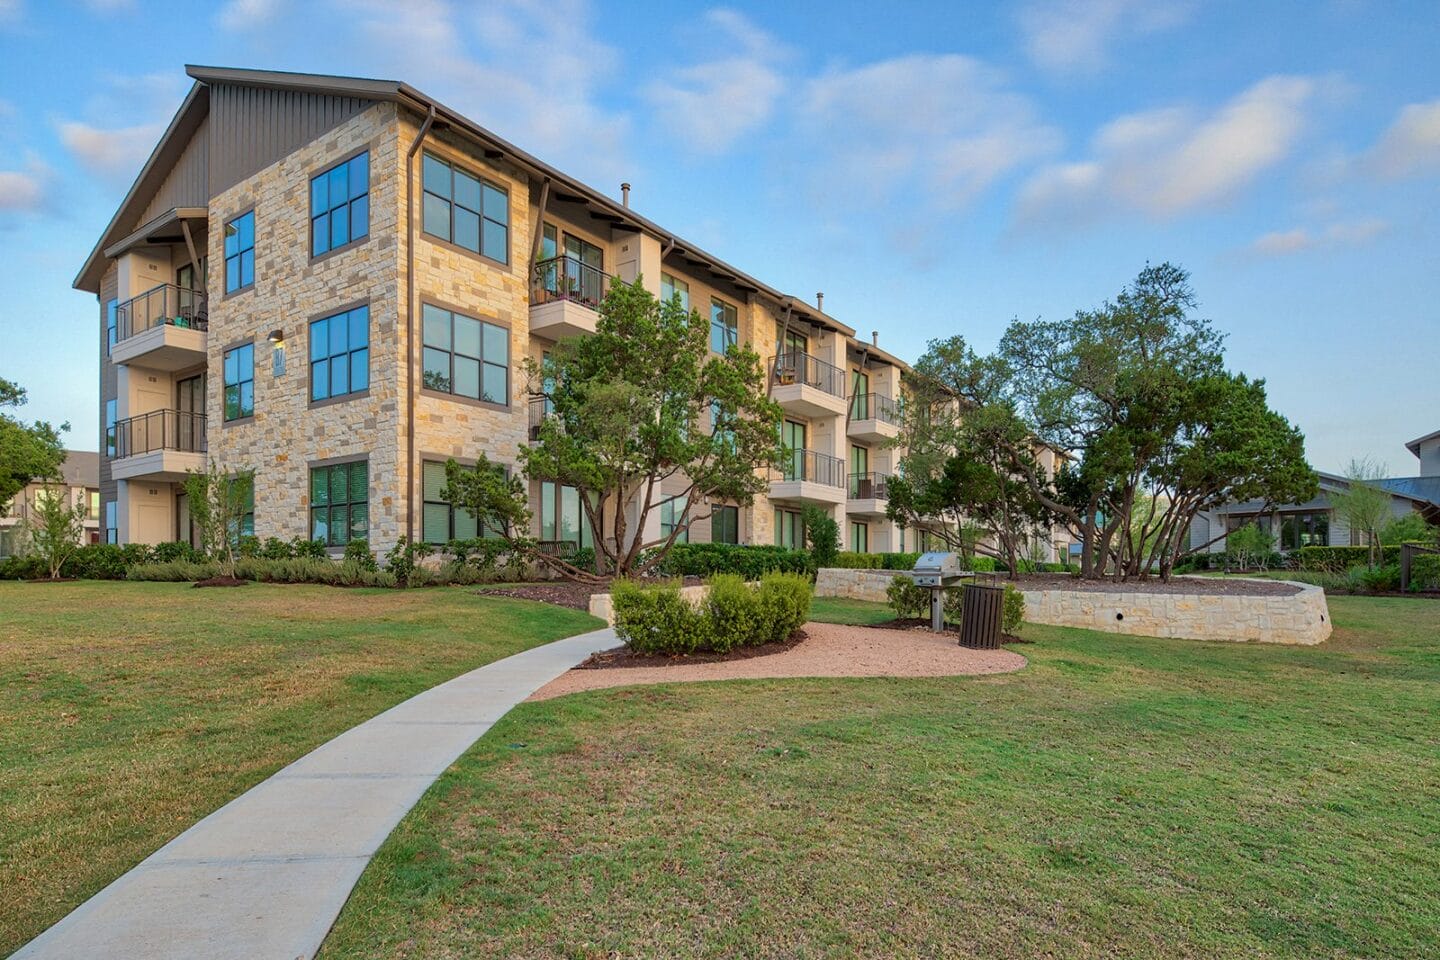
x,y
1425,572
358,552
307,549
658,619
26,567
704,559
1012,614
403,563
980,564
822,534
1411,528
173,550
490,560
347,573
1339,559
217,501
176,571
1249,545
28,452
907,600
56,526
1378,579
849,560
1363,505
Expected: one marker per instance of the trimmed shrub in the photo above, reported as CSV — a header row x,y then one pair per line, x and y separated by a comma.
x,y
174,550
822,535
981,564
173,571
1378,579
1340,559
276,549
29,567
97,561
750,563
848,560
313,549
247,546
906,599
900,561
657,619
1013,612
358,550
1425,572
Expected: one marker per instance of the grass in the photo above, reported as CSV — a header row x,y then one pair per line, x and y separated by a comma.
x,y
1120,797
130,710
841,610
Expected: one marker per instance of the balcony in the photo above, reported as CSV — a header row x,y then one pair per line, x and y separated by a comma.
x,y
163,329
807,385
564,297
809,477
159,445
874,418
540,411
867,494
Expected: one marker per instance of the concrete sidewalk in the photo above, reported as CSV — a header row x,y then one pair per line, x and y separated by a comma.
x,y
264,877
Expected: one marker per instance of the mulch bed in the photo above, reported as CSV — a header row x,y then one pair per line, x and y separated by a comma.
x,y
221,582
562,593
623,657
1205,586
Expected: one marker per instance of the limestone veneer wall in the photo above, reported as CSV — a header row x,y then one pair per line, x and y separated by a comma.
x,y
1299,618
603,607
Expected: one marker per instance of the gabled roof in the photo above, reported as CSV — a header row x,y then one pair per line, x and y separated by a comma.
x,y
1414,445
81,468
1426,489
196,106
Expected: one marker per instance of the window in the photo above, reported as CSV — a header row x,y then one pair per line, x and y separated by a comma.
x,y
442,522
789,529
466,210
1304,530
240,382
465,356
112,529
672,515
562,519
792,443
859,537
340,503
725,525
670,288
245,517
792,342
112,312
92,504
860,397
240,252
724,327
110,428
340,354
340,205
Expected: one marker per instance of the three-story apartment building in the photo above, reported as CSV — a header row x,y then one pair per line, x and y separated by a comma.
x,y
333,282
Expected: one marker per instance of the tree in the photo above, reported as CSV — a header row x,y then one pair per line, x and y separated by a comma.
x,y
1249,544
639,406
1363,504
217,503
1411,528
822,534
27,451
56,526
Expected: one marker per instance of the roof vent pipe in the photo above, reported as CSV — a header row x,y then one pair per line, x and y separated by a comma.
x,y
874,338
820,302
625,194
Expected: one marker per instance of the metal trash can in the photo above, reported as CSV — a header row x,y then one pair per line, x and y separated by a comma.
x,y
980,616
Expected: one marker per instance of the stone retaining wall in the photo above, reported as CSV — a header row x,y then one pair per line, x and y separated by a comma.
x,y
1300,618
603,607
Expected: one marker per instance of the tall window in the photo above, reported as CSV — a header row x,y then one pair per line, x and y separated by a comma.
x,y
562,519
859,537
789,529
240,252
112,526
240,382
724,325
672,514
112,312
792,443
92,504
466,210
340,205
725,525
465,356
670,288
793,342
340,503
442,521
340,354
860,396
110,428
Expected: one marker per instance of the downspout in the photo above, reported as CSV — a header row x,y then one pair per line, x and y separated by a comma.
x,y
410,324
779,348
538,233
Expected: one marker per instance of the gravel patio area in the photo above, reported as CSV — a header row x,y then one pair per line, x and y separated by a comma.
x,y
829,650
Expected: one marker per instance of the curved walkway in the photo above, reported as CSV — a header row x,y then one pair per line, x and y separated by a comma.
x,y
266,874
829,650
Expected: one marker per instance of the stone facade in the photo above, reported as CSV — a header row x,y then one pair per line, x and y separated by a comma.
x,y
854,584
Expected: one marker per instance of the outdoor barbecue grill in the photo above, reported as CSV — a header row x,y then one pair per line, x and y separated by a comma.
x,y
937,570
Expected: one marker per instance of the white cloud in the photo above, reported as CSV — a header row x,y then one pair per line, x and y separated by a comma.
x,y
20,191
710,105
1075,36
116,153
11,11
947,123
1300,239
1165,162
1412,143
239,15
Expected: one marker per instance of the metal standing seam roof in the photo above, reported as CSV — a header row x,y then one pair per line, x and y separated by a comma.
x,y
196,103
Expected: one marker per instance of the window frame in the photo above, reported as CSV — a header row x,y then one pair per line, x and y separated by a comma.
x,y
670,506
225,385
112,438
725,510
112,521
556,502
450,394
862,528
353,240
328,467
793,518
112,323
239,253
482,218
329,358
677,286
731,332
482,531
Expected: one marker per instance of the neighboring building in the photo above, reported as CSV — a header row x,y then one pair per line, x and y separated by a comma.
x,y
333,282
1314,522
80,483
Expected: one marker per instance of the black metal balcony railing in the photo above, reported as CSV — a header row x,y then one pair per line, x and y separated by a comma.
x,y
812,466
160,430
874,406
566,278
540,408
791,368
159,306
869,486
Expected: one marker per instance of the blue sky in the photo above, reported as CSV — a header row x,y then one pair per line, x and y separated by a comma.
x,y
934,168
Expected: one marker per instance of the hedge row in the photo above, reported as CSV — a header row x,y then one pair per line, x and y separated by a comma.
x,y
1340,559
658,619
876,561
749,563
1425,572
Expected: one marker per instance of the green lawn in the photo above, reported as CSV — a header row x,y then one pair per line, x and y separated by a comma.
x,y
130,710
1120,797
